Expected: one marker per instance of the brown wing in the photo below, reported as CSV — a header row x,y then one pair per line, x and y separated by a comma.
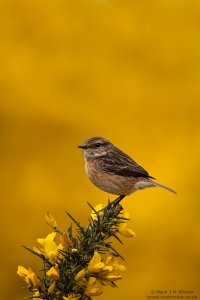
x,y
119,163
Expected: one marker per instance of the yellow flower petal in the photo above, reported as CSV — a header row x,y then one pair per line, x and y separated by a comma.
x,y
122,225
50,237
109,259
108,268
29,276
94,287
92,280
94,291
127,232
52,287
36,294
126,215
51,221
121,268
97,208
32,279
113,269
95,264
80,275
50,248
97,268
53,273
22,272
113,277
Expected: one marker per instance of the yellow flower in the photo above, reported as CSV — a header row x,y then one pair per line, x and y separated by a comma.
x,y
52,287
113,269
53,273
126,215
127,232
122,227
81,274
36,294
95,264
97,208
94,287
51,221
50,248
28,275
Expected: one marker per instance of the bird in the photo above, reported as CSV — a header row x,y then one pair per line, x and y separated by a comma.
x,y
113,171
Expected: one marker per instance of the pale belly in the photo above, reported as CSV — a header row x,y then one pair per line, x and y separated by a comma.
x,y
111,183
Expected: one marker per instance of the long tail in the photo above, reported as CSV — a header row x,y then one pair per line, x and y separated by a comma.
x,y
147,183
163,186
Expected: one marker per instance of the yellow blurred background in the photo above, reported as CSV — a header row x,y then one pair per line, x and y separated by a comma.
x,y
125,70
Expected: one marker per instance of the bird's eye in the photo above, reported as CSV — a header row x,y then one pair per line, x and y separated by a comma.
x,y
97,145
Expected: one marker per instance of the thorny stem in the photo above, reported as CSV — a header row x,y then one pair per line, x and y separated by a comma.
x,y
78,252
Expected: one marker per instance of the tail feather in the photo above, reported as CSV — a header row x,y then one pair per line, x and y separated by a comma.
x,y
163,186
143,184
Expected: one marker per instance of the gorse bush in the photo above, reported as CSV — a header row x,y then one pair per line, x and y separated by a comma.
x,y
79,265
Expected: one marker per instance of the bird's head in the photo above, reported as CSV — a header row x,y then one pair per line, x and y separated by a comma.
x,y
95,147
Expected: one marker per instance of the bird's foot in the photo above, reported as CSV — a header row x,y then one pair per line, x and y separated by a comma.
x,y
117,200
112,204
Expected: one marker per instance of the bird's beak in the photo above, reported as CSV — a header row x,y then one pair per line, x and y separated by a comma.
x,y
82,146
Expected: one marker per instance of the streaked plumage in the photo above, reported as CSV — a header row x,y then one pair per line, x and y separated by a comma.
x,y
112,170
